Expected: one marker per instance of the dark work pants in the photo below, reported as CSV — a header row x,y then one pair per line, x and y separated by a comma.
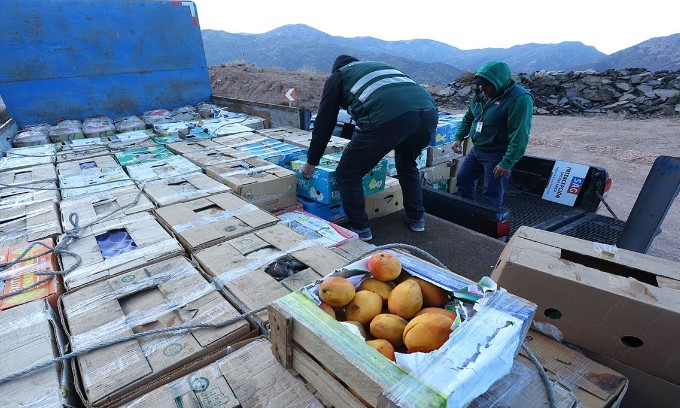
x,y
478,163
407,135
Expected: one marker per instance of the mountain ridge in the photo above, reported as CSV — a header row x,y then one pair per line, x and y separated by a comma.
x,y
301,47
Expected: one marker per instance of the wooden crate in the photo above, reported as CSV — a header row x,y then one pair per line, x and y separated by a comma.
x,y
348,372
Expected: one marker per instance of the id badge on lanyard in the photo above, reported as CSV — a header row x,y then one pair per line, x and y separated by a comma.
x,y
478,129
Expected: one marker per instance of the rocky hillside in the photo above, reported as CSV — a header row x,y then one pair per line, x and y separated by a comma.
x,y
633,92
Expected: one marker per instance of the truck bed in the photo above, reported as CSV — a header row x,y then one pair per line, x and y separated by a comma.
x,y
532,210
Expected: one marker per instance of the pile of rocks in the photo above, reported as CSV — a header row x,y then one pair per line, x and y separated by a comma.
x,y
634,91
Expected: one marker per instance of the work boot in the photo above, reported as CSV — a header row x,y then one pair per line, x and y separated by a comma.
x,y
363,233
416,225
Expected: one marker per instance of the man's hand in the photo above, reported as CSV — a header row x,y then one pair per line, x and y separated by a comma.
x,y
499,172
457,146
307,170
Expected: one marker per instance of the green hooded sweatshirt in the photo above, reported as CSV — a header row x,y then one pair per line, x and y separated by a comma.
x,y
505,116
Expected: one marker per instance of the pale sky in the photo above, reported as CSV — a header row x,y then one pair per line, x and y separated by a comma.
x,y
607,25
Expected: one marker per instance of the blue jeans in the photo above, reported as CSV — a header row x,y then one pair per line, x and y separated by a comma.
x,y
407,135
476,164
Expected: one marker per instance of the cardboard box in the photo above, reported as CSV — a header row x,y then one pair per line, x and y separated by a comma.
x,y
29,222
240,138
441,154
241,265
105,205
213,157
92,181
183,188
324,232
283,132
194,146
164,294
329,212
479,351
269,186
18,186
210,220
421,162
354,249
431,175
22,157
30,334
79,149
112,247
143,155
162,169
447,126
216,127
26,273
322,186
644,390
81,166
303,139
574,378
280,153
387,201
247,377
606,301
135,139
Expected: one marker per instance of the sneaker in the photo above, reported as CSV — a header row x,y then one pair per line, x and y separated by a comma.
x,y
417,225
363,233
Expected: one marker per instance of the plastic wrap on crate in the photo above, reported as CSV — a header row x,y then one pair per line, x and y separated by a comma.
x,y
21,157
66,130
146,154
479,351
184,113
93,181
135,139
183,188
166,294
98,126
111,203
32,135
37,193
207,110
31,334
171,128
279,153
222,126
154,116
128,124
167,168
316,228
29,223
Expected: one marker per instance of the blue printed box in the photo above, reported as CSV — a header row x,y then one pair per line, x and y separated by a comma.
x,y
274,151
447,126
322,185
329,212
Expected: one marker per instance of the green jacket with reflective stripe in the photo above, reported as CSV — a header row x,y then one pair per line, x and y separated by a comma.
x,y
375,92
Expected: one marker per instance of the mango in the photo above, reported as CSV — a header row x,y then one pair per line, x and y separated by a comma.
x,y
406,299
328,309
384,347
381,288
389,327
433,295
450,313
384,266
364,307
336,291
427,332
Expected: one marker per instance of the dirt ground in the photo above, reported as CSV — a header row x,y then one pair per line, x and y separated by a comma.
x,y
627,147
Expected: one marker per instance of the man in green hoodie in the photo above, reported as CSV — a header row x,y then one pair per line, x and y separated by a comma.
x,y
498,122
